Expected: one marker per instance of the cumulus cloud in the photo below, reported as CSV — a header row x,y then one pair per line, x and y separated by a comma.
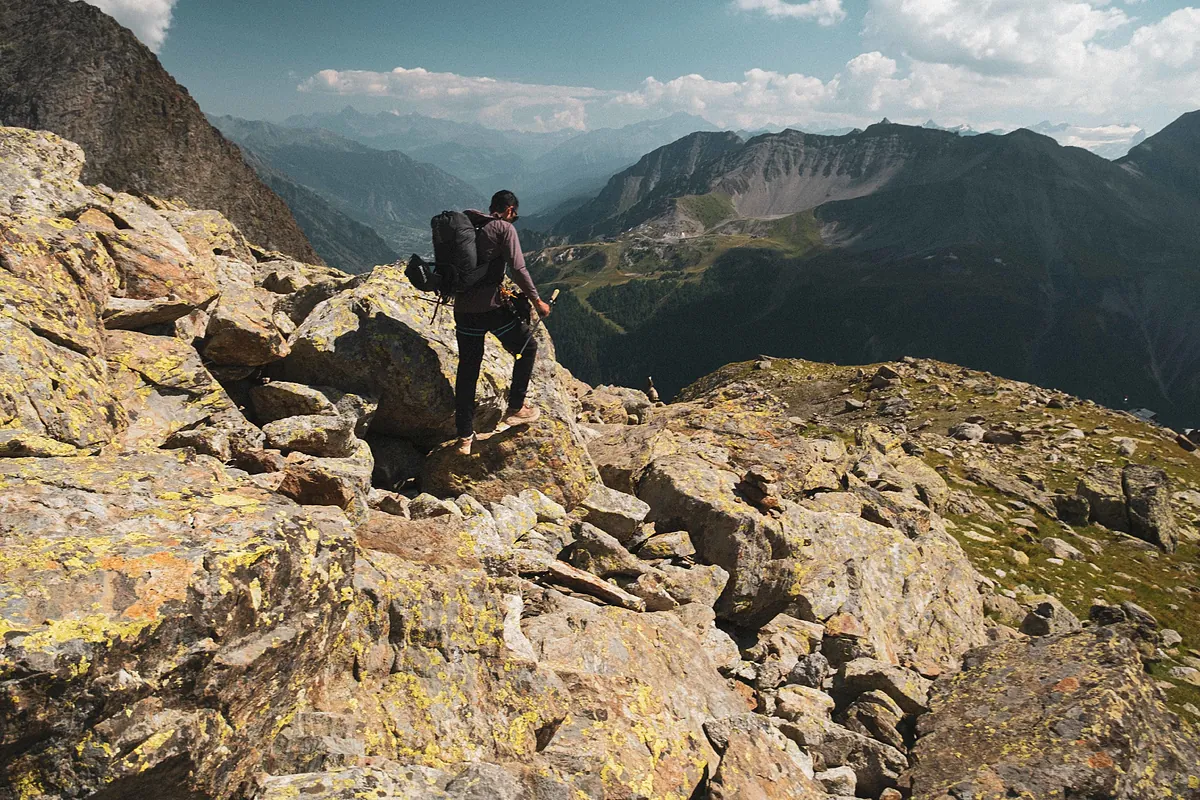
x,y
986,63
148,19
823,12
495,103
994,36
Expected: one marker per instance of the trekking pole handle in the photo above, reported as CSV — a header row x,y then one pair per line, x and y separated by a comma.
x,y
533,328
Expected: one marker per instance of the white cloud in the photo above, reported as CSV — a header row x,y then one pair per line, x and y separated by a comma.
x,y
495,103
993,36
148,19
986,63
823,12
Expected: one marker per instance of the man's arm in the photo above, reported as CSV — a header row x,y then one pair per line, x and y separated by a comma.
x,y
516,258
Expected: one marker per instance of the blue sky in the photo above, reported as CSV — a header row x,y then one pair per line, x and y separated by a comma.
x,y
542,65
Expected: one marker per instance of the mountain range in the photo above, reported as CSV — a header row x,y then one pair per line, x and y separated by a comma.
x,y
1011,253
384,189
544,169
1110,141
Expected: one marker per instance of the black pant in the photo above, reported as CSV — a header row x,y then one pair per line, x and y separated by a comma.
x,y
471,330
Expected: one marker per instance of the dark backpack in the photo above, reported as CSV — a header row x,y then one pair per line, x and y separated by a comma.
x,y
456,266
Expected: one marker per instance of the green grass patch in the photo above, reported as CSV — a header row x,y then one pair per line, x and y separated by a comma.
x,y
708,209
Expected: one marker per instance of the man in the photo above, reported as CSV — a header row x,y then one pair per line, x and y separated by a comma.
x,y
481,310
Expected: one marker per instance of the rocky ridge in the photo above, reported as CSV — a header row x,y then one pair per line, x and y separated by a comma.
x,y
70,68
238,560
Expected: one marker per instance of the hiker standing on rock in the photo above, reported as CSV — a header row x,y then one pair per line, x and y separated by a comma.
x,y
482,309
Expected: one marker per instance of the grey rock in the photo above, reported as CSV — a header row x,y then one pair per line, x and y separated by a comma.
x,y
1101,486
547,510
907,688
601,554
676,544
839,781
700,584
1148,500
967,432
316,435
1060,549
1047,617
810,670
1086,685
242,330
614,512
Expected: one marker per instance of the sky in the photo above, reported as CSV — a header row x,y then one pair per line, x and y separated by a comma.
x,y
547,65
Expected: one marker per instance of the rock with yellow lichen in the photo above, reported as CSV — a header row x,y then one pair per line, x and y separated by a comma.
x,y
380,339
1073,715
164,389
40,175
916,597
160,616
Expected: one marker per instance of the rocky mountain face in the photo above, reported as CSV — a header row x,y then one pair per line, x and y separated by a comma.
x,y
71,69
1169,157
239,561
1009,253
386,190
338,239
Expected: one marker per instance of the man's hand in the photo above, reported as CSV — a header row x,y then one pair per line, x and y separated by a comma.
x,y
543,308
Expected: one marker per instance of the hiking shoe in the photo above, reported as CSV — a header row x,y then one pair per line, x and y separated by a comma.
x,y
463,448
523,416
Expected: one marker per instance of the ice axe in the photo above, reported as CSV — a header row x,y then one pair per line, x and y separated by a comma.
x,y
533,330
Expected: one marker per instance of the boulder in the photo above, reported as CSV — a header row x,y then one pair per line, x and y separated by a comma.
x,y
209,233
128,314
1048,616
651,702
602,554
804,559
796,702
968,432
1060,549
877,715
616,405
759,762
277,400
55,277
908,689
650,586
1148,502
1072,509
165,389
150,268
546,510
1101,487
876,766
341,482
316,435
379,338
810,670
1074,715
695,584
242,330
676,545
154,627
397,461
39,174
614,512
839,781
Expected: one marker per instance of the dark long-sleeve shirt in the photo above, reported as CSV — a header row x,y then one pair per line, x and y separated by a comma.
x,y
496,240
